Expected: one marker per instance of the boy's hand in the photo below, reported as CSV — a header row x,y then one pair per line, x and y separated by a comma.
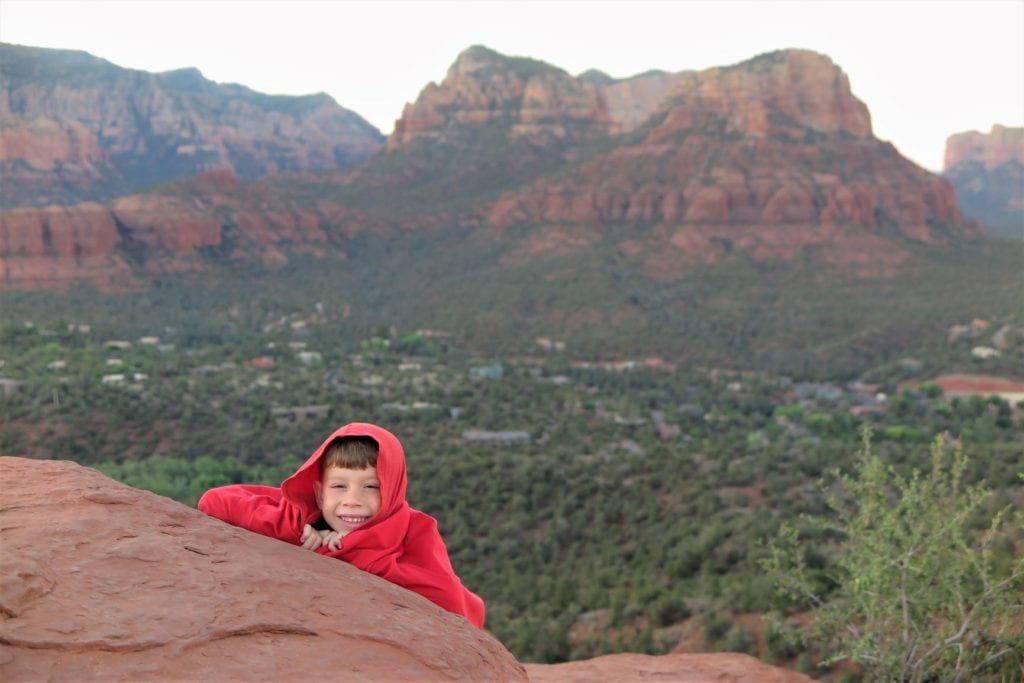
x,y
314,538
311,538
332,539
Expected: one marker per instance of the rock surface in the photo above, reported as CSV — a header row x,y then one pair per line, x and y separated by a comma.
x,y
190,225
719,667
103,582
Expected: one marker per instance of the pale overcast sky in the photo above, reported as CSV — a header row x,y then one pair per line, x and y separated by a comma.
x,y
925,68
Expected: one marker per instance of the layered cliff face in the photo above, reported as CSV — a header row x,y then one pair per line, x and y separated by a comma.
x,y
76,127
527,97
1000,146
530,99
192,225
773,154
987,171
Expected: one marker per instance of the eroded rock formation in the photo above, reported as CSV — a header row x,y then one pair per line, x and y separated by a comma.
x,y
189,226
75,127
483,87
993,149
777,141
987,171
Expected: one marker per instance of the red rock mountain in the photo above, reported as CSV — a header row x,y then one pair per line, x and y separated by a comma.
x,y
999,146
531,98
774,156
527,96
148,589
73,126
987,170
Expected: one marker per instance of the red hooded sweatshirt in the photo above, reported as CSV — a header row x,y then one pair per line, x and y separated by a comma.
x,y
399,544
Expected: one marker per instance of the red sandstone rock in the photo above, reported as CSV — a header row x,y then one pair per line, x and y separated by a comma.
x,y
992,149
777,94
102,582
483,86
84,230
987,171
678,668
42,143
162,223
54,247
778,140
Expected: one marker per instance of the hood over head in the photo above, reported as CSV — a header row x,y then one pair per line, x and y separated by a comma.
x,y
299,488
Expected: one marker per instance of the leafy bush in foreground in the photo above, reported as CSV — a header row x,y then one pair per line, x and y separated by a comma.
x,y
923,591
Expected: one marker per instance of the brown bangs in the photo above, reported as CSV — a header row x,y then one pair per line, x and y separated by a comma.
x,y
351,452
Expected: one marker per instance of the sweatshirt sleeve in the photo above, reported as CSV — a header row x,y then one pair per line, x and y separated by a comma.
x,y
257,508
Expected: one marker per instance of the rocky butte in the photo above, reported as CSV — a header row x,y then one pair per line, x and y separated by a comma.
x,y
484,87
103,582
987,170
771,155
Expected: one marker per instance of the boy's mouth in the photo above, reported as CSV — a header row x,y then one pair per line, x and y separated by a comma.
x,y
352,521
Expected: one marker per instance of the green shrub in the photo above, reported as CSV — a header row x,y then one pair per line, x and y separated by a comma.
x,y
920,596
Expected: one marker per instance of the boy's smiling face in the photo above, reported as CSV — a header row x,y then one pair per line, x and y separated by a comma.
x,y
348,498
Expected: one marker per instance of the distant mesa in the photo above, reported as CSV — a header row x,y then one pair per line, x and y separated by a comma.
x,y
1000,146
525,96
987,172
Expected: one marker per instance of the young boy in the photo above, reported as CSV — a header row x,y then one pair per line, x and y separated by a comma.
x,y
348,501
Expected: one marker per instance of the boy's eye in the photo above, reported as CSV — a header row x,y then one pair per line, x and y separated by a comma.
x,y
337,486
373,486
